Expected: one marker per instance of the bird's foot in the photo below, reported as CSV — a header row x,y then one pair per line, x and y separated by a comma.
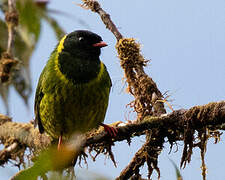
x,y
110,130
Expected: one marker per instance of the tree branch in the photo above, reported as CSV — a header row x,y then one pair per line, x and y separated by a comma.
x,y
148,99
96,7
6,153
172,125
7,61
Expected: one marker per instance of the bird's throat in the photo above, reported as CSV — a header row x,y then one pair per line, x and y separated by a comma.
x,y
78,70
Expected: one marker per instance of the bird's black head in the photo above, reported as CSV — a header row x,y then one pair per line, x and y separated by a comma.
x,y
78,57
83,44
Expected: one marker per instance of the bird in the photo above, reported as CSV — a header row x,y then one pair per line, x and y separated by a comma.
x,y
73,89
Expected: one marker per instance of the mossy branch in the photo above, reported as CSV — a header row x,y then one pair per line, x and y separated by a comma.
x,y
96,7
172,125
148,100
140,85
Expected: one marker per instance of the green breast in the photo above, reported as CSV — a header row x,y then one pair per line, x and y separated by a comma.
x,y
68,106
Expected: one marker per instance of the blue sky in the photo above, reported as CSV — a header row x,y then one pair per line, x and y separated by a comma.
x,y
185,41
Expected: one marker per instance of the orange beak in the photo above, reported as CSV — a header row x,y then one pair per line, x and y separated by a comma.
x,y
100,44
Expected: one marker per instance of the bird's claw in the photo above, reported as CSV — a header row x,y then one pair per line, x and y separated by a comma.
x,y
110,130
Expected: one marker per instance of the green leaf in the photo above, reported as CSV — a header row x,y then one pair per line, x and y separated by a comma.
x,y
29,21
3,5
22,83
4,92
3,36
4,88
53,159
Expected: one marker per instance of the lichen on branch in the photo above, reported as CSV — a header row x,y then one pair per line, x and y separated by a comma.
x,y
140,85
170,126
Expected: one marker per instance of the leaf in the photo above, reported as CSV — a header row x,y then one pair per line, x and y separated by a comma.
x,y
4,92
53,159
3,36
3,5
4,88
22,83
29,21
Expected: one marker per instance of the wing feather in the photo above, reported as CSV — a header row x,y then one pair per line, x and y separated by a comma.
x,y
38,97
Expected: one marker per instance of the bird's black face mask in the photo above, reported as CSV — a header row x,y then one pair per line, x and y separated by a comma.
x,y
84,44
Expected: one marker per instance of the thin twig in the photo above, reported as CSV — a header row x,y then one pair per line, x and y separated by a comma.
x,y
12,21
6,153
96,7
8,61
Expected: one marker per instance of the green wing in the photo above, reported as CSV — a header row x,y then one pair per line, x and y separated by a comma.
x,y
38,97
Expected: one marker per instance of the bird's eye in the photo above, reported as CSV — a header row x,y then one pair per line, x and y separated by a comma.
x,y
81,39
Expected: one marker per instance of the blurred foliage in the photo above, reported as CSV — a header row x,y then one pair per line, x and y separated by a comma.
x,y
57,163
50,159
31,14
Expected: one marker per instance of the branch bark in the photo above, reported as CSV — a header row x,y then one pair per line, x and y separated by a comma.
x,y
148,99
7,61
96,7
211,115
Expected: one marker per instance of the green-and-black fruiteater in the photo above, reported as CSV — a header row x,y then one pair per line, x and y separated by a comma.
x,y
73,89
